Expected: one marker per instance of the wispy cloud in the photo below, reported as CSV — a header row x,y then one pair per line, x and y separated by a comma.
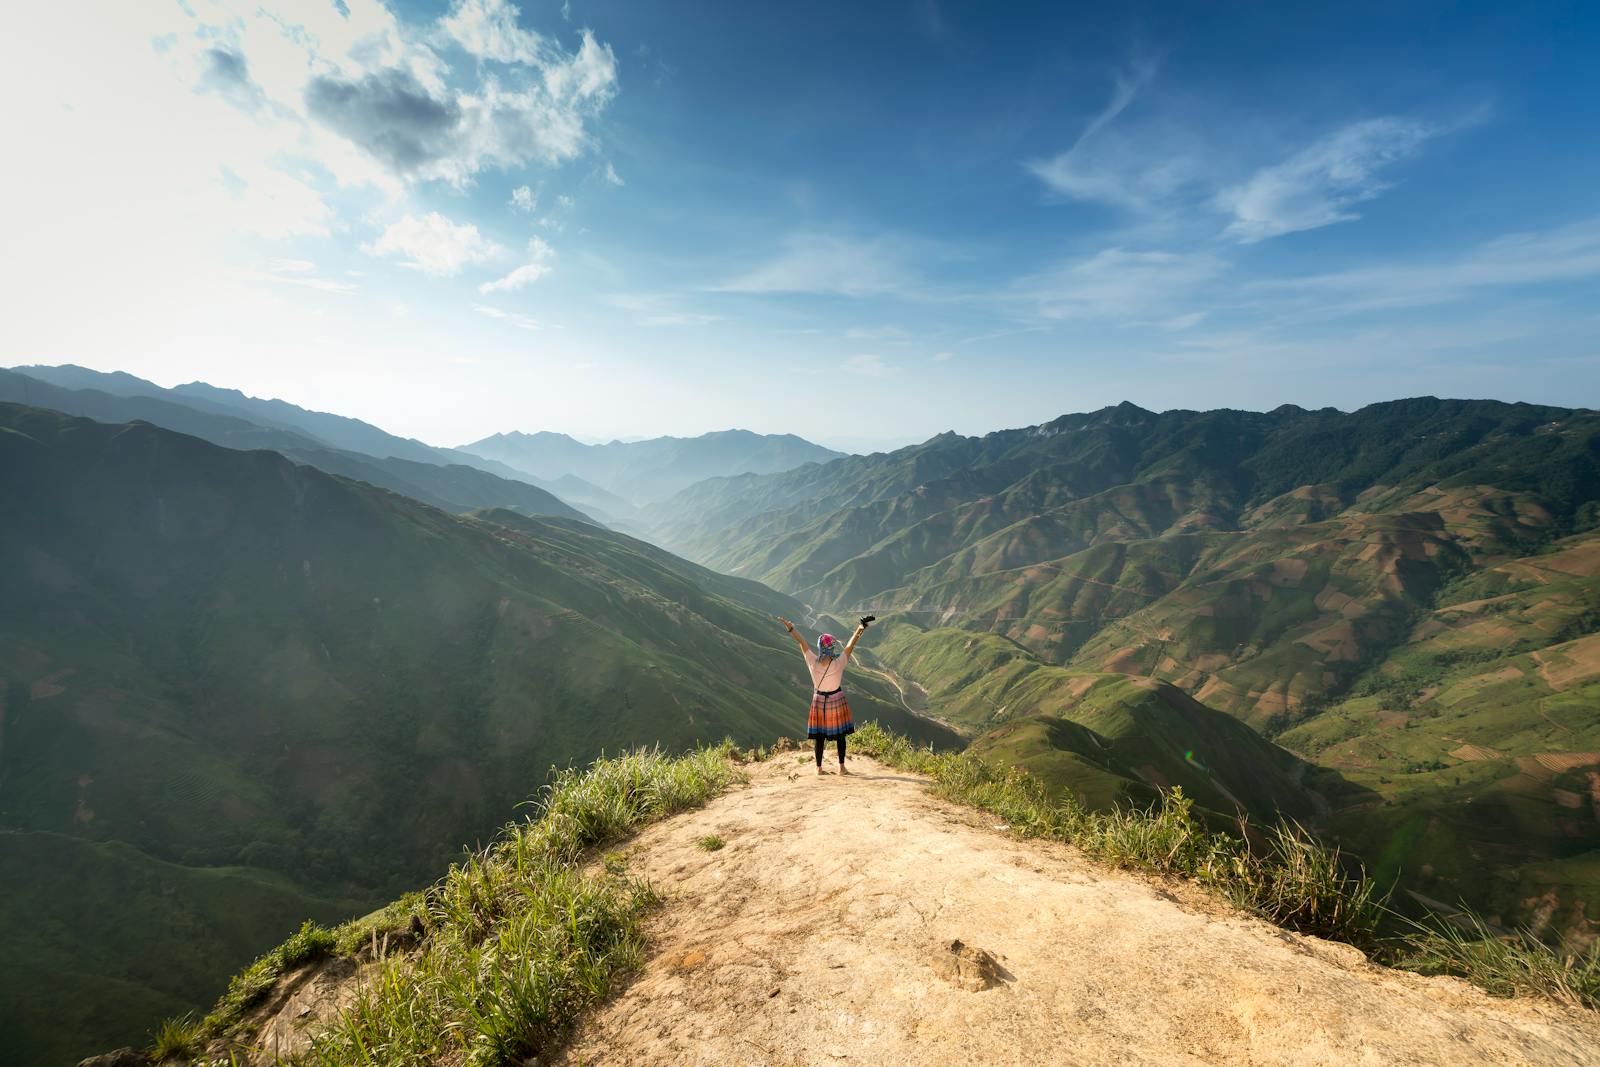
x,y
1562,254
1125,86
433,244
886,332
300,272
1105,166
611,176
524,200
868,365
659,309
1319,185
832,265
521,322
539,256
1120,283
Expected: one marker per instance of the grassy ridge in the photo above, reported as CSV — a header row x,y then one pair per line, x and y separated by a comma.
x,y
520,940
1293,880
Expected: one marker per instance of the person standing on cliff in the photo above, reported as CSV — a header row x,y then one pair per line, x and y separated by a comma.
x,y
830,712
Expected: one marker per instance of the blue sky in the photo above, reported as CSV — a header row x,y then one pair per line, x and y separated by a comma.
x,y
863,223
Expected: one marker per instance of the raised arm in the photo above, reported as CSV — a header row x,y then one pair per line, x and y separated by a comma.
x,y
787,625
861,628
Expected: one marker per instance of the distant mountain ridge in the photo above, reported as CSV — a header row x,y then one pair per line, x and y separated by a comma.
x,y
442,478
653,469
604,482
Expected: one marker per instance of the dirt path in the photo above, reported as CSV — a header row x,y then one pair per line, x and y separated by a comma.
x,y
819,935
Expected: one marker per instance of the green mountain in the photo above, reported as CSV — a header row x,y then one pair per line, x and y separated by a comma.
x,y
1374,589
247,692
453,486
330,431
654,469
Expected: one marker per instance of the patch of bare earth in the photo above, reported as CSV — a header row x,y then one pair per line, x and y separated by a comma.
x,y
860,919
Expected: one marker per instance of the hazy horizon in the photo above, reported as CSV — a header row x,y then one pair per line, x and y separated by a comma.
x,y
863,227
842,443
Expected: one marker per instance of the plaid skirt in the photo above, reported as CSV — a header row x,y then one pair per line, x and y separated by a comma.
x,y
830,715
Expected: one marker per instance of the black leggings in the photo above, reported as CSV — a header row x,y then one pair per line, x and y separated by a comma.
x,y
823,740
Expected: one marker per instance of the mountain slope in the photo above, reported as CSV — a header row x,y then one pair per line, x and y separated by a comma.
x,y
1274,566
332,431
454,486
220,658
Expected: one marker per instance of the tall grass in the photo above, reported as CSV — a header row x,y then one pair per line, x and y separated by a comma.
x,y
1291,879
1507,965
518,940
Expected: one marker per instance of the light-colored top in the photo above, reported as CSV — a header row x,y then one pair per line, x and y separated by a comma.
x,y
828,673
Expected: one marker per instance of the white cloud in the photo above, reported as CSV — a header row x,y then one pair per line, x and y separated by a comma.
x,y
1140,174
433,244
1319,185
868,365
538,265
521,322
589,75
611,176
368,96
524,199
840,266
1119,283
489,30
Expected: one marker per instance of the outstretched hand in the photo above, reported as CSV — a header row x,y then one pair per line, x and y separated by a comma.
x,y
787,625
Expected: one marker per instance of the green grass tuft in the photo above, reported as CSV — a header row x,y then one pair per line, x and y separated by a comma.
x,y
710,843
176,1039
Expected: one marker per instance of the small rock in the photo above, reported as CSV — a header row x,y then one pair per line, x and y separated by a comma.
x,y
122,1057
973,969
772,994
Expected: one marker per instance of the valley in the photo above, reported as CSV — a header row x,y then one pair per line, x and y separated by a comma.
x,y
266,675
